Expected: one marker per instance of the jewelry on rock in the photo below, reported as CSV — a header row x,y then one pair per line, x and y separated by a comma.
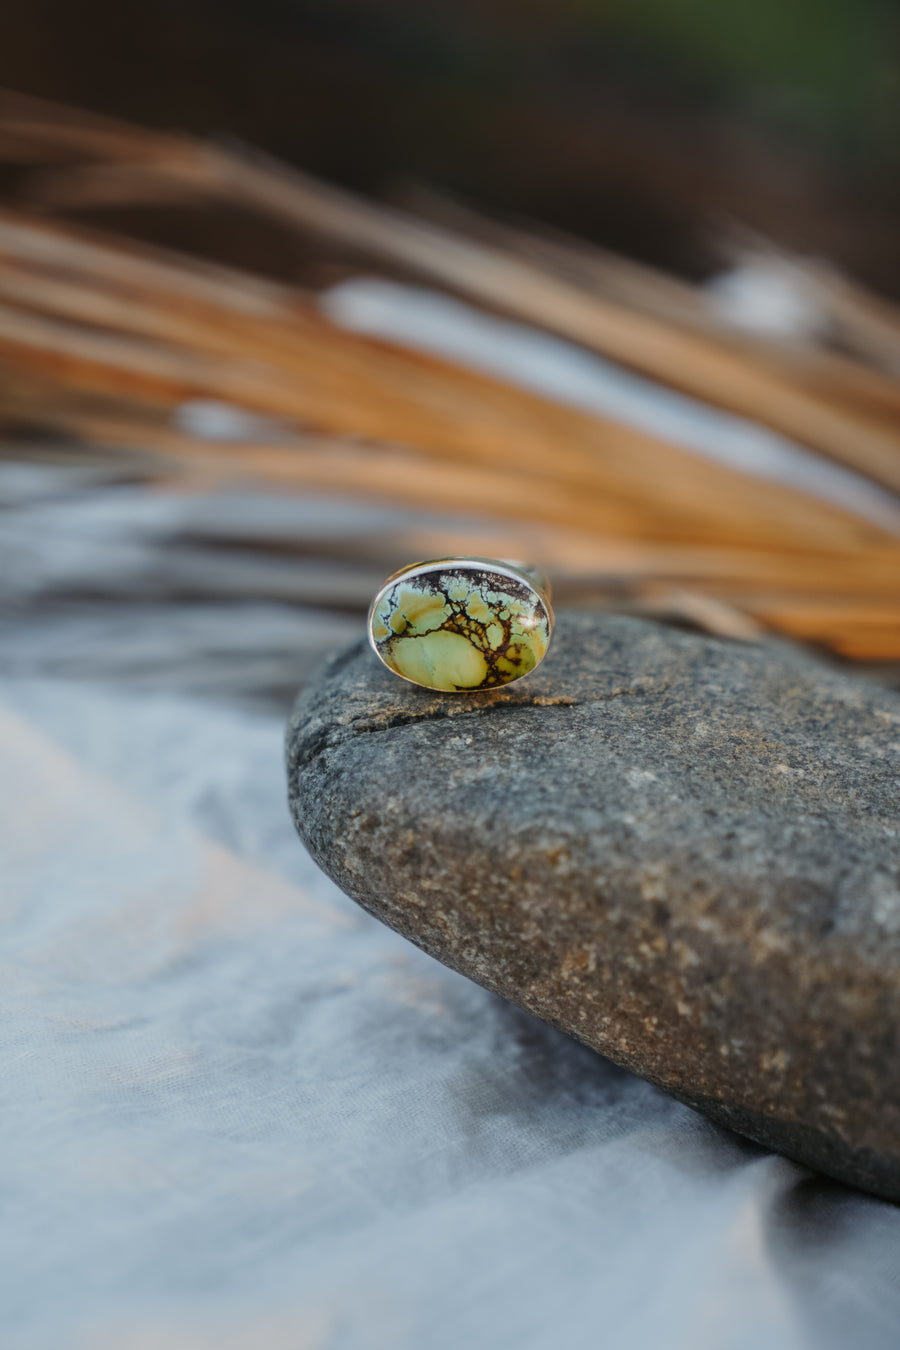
x,y
462,624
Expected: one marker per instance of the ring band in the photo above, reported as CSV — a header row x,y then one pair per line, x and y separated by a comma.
x,y
462,624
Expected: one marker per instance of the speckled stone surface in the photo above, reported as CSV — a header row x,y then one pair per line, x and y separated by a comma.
x,y
684,852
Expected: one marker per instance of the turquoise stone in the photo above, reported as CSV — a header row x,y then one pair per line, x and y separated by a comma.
x,y
460,626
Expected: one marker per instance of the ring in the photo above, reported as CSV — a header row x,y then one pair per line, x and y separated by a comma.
x,y
462,624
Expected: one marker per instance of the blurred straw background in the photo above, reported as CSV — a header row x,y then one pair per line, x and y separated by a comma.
x,y
233,397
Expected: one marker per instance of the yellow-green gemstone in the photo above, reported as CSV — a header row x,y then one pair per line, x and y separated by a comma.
x,y
460,629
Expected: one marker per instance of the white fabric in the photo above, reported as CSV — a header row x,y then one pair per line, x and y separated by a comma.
x,y
239,1113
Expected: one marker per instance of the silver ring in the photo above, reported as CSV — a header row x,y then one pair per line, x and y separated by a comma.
x,y
462,624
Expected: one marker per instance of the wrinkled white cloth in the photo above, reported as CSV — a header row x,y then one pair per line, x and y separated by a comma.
x,y
239,1113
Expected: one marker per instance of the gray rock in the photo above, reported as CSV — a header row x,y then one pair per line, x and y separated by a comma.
x,y
684,852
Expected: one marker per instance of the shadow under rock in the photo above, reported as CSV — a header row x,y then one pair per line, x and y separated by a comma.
x,y
524,1067
840,1251
818,1213
520,1066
